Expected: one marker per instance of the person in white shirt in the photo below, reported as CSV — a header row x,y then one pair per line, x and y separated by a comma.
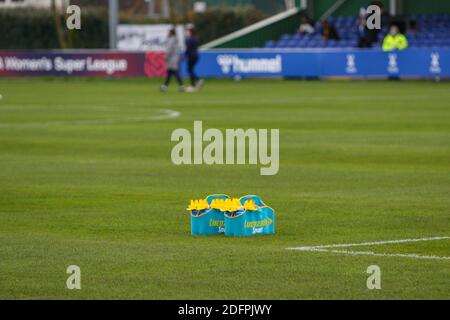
x,y
173,55
306,26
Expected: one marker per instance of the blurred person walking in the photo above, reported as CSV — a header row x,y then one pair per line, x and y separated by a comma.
x,y
173,53
192,57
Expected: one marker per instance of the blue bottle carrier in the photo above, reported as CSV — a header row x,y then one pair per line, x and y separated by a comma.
x,y
250,222
208,221
252,217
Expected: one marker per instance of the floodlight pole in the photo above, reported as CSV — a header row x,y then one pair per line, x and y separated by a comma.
x,y
393,7
303,4
289,4
113,20
151,8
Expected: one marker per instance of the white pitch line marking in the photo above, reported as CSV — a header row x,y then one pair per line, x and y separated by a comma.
x,y
166,114
328,248
234,102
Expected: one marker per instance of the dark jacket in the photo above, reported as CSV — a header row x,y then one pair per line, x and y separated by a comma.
x,y
191,48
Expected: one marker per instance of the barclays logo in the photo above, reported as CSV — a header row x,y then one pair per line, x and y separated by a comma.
x,y
233,63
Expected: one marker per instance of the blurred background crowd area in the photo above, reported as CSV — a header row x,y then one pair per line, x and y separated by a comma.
x,y
38,24
347,30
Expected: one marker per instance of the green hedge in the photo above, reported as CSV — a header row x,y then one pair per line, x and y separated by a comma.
x,y
21,29
35,29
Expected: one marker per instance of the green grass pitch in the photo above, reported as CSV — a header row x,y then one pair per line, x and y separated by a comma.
x,y
359,161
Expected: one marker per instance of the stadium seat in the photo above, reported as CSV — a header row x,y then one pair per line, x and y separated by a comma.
x,y
433,31
270,44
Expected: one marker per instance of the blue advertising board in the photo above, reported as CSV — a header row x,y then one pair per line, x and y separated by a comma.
x,y
246,63
420,62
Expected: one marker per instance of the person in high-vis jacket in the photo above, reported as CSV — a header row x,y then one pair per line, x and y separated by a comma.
x,y
395,40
